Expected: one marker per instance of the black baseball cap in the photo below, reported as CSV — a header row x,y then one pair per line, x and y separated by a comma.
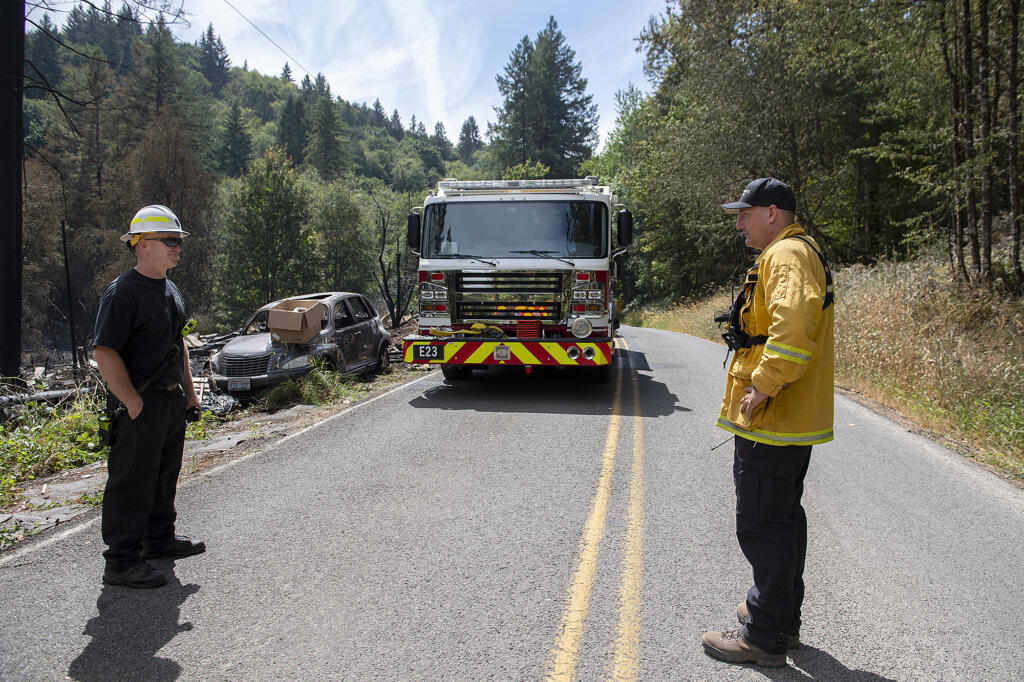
x,y
764,192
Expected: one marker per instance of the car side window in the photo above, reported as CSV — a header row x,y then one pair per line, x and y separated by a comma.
x,y
369,307
342,317
257,325
359,310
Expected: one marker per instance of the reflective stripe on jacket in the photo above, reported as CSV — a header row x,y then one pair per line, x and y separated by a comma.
x,y
795,366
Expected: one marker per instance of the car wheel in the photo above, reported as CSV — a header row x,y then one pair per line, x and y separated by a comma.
x,y
383,360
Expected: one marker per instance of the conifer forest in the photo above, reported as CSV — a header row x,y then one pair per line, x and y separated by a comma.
x,y
897,122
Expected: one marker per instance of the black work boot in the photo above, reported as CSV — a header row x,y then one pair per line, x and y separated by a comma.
x,y
179,546
139,575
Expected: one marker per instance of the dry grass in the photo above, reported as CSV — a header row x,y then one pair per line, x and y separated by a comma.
x,y
949,359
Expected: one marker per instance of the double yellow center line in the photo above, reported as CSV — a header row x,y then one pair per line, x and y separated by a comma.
x,y
623,663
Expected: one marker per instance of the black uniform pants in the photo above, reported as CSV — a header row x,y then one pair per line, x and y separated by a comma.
x,y
142,477
772,530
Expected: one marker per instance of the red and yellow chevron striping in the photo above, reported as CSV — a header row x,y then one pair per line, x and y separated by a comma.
x,y
535,353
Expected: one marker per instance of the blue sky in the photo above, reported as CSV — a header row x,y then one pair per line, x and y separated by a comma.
x,y
435,59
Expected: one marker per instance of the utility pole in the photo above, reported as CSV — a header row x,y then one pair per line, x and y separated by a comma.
x,y
12,71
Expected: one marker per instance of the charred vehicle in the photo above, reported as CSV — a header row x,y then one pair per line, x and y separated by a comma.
x,y
347,335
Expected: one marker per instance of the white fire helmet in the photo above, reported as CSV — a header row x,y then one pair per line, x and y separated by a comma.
x,y
153,218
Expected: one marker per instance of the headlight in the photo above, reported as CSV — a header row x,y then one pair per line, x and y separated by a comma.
x,y
297,363
215,362
581,328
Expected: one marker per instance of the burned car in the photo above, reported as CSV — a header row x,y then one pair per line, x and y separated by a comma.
x,y
346,334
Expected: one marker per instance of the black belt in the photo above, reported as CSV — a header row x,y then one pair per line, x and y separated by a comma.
x,y
164,388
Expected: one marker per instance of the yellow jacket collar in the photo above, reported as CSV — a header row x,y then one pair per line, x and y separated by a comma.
x,y
790,231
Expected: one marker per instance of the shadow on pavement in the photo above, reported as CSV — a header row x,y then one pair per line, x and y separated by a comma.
x,y
132,625
809,663
548,391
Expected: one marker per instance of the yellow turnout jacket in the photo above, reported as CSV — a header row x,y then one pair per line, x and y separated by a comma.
x,y
795,366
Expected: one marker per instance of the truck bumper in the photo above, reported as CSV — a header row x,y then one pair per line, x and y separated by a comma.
x,y
454,350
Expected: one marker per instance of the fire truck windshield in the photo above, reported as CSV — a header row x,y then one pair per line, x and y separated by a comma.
x,y
514,229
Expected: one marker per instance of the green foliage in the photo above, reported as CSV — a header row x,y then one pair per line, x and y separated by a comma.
x,y
266,243
469,140
91,500
546,114
811,92
323,150
199,429
526,171
43,440
214,60
236,143
317,387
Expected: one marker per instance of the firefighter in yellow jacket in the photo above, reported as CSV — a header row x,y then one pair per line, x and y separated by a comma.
x,y
778,403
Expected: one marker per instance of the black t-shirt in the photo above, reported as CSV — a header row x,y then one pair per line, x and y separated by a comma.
x,y
140,317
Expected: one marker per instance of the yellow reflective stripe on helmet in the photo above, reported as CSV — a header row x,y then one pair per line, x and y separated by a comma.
x,y
151,219
784,352
777,438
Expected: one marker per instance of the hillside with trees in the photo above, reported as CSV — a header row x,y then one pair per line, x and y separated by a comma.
x,y
897,123
285,187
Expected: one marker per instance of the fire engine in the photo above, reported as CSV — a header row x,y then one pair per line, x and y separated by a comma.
x,y
517,273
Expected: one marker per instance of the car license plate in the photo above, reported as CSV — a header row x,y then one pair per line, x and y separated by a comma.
x,y
502,353
239,384
426,352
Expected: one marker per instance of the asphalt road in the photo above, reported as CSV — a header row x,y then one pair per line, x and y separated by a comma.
x,y
512,528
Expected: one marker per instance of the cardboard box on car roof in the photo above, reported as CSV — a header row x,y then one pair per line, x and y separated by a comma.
x,y
295,320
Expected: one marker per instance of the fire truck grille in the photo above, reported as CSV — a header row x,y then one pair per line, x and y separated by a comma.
x,y
245,366
547,283
527,330
508,310
509,296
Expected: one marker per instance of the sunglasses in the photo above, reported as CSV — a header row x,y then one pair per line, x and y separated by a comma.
x,y
169,242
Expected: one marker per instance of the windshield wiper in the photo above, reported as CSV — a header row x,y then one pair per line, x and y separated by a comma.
x,y
482,260
546,254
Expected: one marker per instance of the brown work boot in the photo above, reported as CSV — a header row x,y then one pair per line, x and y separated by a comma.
x,y
792,638
732,647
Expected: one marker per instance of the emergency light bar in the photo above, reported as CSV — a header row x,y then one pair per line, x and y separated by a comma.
x,y
451,183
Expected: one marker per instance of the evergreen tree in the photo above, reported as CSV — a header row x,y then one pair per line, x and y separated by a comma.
x,y
395,126
441,142
236,144
42,61
469,140
321,88
158,76
547,116
380,117
127,29
323,151
306,89
213,60
412,125
291,128
286,74
511,133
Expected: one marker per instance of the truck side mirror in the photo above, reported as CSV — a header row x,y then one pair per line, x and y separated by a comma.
x,y
413,231
625,228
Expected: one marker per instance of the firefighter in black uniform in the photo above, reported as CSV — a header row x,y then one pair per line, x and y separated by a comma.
x,y
143,360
